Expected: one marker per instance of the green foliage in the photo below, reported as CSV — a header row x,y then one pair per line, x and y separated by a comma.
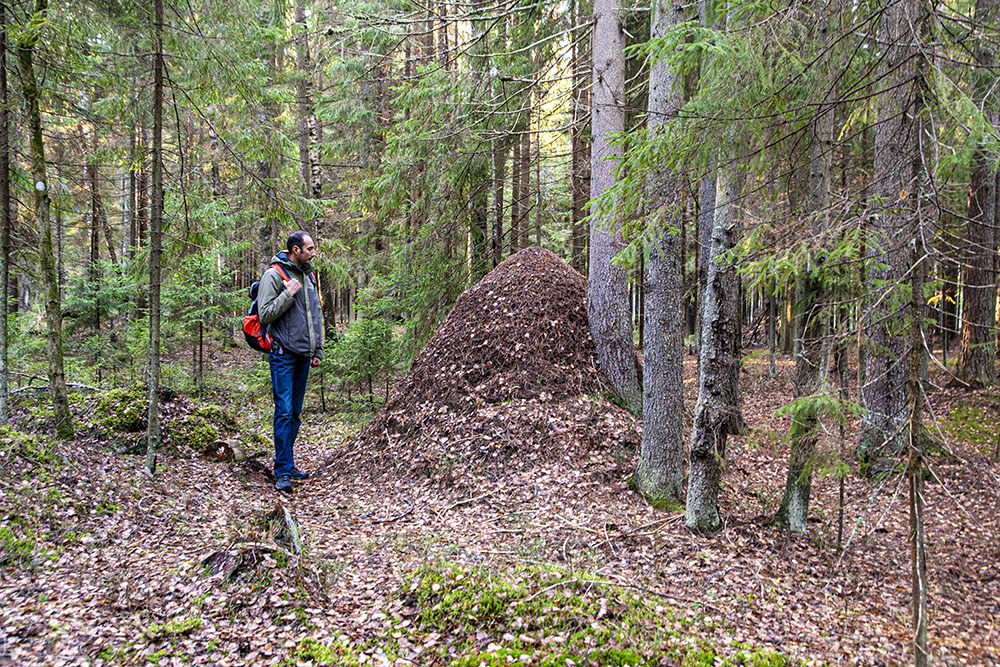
x,y
972,422
338,653
123,410
194,431
178,626
365,353
822,405
532,615
34,446
17,543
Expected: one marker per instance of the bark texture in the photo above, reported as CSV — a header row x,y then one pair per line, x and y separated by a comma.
x,y
607,293
659,476
580,140
4,216
46,250
977,356
717,414
884,393
155,249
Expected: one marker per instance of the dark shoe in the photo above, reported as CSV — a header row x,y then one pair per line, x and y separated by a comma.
x,y
283,484
298,474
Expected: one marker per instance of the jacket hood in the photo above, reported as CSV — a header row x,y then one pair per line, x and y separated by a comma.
x,y
282,258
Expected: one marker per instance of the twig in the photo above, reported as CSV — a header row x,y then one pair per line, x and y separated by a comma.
x,y
42,388
395,518
466,501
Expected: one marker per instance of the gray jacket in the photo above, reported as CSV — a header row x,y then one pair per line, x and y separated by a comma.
x,y
295,322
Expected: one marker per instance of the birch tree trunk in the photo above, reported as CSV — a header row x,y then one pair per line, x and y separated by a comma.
x,y
155,247
607,293
46,251
659,476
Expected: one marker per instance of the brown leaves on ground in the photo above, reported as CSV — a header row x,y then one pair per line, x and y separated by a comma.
x,y
180,569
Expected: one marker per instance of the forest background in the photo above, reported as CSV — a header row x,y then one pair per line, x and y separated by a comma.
x,y
818,179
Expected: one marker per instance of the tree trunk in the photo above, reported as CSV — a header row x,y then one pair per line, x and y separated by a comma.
x,y
142,196
53,308
155,248
267,166
810,307
915,467
717,414
607,302
659,476
977,356
4,216
525,225
304,95
538,177
885,392
515,197
580,167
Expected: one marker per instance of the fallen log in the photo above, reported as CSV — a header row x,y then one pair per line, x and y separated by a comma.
x,y
44,388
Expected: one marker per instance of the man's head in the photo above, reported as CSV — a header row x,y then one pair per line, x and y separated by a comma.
x,y
301,248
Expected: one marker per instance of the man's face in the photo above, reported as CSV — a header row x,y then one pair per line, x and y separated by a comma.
x,y
303,254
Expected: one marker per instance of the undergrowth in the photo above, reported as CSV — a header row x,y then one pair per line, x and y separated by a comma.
x,y
473,616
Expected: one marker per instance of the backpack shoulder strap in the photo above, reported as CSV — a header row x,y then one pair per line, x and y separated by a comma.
x,y
281,271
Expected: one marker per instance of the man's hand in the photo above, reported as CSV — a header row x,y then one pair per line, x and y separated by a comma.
x,y
315,362
293,286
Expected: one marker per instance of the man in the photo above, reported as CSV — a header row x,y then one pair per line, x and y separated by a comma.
x,y
289,307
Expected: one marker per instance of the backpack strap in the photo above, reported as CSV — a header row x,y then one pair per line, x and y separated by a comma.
x,y
281,271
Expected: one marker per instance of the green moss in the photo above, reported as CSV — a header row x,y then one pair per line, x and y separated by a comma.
x,y
177,627
123,410
31,445
106,506
318,653
971,423
17,543
553,616
595,658
196,431
216,415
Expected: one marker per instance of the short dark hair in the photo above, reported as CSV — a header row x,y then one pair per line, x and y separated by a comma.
x,y
297,239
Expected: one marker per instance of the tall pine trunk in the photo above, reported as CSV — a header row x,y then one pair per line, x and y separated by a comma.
x,y
155,247
46,250
580,169
607,293
977,356
515,196
524,223
885,393
4,216
659,476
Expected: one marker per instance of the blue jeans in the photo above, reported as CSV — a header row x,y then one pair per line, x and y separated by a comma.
x,y
289,373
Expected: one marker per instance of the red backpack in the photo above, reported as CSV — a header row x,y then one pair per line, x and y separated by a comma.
x,y
253,330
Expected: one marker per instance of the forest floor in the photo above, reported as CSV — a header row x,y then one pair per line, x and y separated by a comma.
x,y
549,565
482,516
